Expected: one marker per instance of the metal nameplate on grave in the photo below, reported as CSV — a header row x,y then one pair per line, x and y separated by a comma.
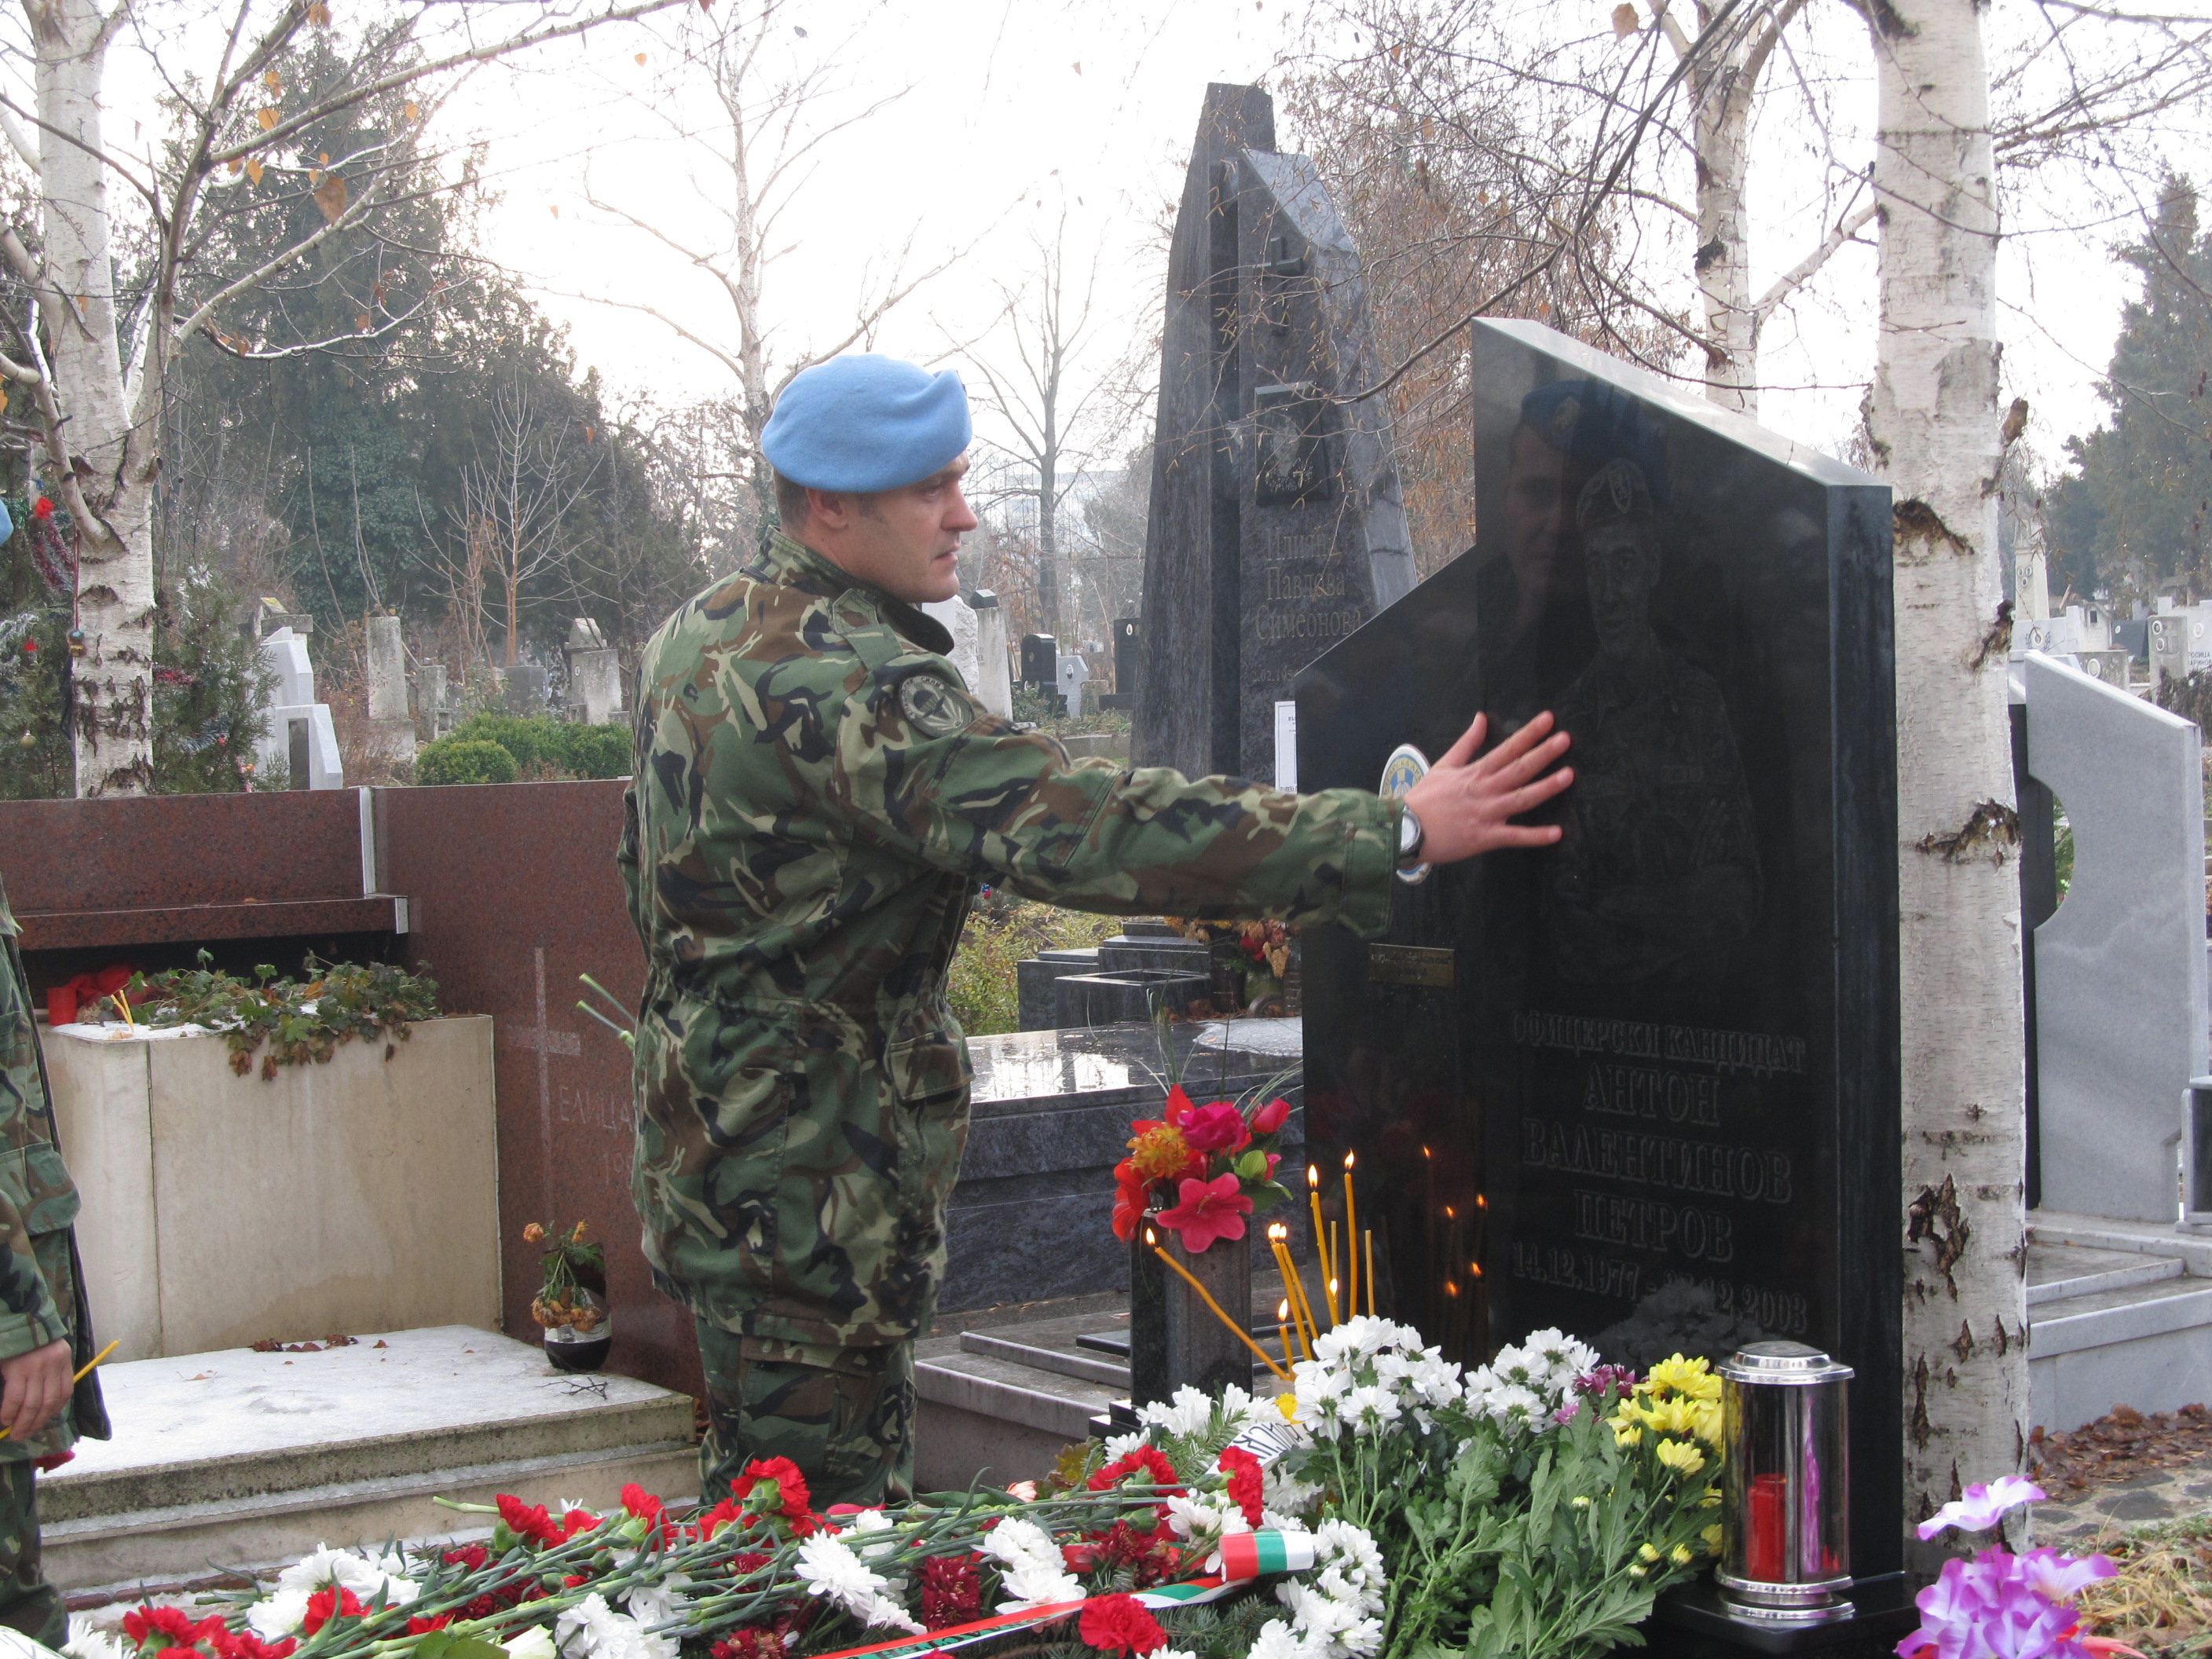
x,y
1410,964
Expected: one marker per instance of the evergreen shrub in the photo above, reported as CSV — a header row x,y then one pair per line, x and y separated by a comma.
x,y
464,760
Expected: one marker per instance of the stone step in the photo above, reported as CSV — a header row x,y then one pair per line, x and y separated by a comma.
x,y
1082,1367
235,1457
2056,1272
2132,1313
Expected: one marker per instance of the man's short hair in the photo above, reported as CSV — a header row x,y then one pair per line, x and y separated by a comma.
x,y
790,500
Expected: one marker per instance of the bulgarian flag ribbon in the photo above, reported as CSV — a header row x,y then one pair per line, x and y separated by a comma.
x,y
1248,1554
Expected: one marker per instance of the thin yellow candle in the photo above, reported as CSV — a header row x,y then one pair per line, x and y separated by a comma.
x,y
1243,1335
1320,1231
1301,1313
1283,1330
79,1377
1351,1242
1329,1286
1368,1238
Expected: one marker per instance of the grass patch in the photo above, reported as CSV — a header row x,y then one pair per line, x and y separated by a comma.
x,y
2162,1598
1001,931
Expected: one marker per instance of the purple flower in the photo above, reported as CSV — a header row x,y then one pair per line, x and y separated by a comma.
x,y
1594,1383
1978,1512
1567,1413
2062,1577
1997,1606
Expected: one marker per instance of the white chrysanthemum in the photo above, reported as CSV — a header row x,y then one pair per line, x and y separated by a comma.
x,y
279,1615
592,1630
1017,1543
1562,1356
1120,1445
1370,1409
829,1567
1187,1414
1276,1640
1340,1544
346,1570
1284,1492
536,1643
657,1604
1032,1587
87,1641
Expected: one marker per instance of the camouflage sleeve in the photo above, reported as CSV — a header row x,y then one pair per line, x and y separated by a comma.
x,y
34,1186
920,761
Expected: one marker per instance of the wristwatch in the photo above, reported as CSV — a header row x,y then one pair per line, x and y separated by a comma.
x,y
1409,838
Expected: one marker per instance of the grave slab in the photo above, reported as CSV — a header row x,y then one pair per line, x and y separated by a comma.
x,y
234,1456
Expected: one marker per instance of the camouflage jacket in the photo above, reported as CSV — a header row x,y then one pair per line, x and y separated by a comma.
x,y
817,797
41,1283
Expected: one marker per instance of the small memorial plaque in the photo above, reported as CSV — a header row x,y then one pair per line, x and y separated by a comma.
x,y
1409,964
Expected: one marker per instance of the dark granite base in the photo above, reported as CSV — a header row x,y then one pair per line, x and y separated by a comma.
x,y
1693,1623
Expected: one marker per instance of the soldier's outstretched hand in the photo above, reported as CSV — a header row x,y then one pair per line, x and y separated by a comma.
x,y
1465,804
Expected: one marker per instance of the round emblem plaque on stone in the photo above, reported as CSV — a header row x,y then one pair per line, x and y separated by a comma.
x,y
1407,767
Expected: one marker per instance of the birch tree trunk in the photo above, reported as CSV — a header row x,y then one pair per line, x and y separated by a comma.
x,y
1723,256
112,457
1932,417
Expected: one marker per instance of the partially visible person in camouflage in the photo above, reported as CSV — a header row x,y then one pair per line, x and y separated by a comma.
x,y
46,1331
817,797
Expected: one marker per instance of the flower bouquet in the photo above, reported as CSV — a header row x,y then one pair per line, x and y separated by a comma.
x,y
570,1305
1201,1171
1249,959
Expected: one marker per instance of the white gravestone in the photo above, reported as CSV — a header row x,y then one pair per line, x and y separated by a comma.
x,y
1073,674
391,731
2120,968
994,682
292,705
959,617
594,675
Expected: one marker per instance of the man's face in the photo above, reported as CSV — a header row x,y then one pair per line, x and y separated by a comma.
x,y
1541,483
1622,563
904,541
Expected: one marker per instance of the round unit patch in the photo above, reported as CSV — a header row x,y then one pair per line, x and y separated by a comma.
x,y
931,706
1407,767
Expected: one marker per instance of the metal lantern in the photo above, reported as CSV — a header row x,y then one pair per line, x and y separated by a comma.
x,y
1785,1487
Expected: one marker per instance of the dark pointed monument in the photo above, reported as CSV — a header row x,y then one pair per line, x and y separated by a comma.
x,y
1643,1084
1277,526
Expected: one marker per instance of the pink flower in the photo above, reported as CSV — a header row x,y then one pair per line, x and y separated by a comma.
x,y
1272,1116
1216,1128
2062,1577
1210,1210
1995,1606
1979,1511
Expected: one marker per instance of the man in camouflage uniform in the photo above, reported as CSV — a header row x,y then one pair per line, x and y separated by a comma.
x,y
817,797
45,1331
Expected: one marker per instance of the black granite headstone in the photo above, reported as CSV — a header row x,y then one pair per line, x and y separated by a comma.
x,y
1040,660
1276,524
1641,1085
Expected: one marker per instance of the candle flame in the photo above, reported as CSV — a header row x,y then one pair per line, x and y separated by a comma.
x,y
1151,1238
1451,1214
1476,1267
1350,1158
1276,1231
1282,1310
1425,1153
1451,1287
1480,1203
1313,1175
1333,1287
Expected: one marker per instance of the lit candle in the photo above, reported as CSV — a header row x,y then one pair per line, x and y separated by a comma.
x,y
1283,1330
1301,1315
1765,1533
1351,1242
1320,1231
1330,1285
1369,1240
1205,1296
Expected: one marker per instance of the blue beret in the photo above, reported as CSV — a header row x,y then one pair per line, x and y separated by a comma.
x,y
867,422
1597,422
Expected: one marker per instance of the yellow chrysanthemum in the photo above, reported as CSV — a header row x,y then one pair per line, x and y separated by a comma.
x,y
1681,1455
1677,1418
1693,1378
1627,1434
1160,1153
1712,1537
1712,1500
1644,1552
1707,1423
1287,1403
1680,1555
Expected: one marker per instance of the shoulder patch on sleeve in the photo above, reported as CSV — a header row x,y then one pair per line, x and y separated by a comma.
x,y
932,706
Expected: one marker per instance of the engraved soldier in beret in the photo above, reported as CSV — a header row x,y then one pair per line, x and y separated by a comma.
x,y
818,794
46,1331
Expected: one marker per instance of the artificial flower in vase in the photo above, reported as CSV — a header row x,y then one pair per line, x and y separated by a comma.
x,y
571,1305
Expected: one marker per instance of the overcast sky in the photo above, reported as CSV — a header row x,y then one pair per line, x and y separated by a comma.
x,y
1002,115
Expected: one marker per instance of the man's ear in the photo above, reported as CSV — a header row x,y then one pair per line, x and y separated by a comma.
x,y
830,509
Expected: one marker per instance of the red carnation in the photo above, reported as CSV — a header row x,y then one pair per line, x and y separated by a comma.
x,y
422,1626
245,1644
155,1628
1147,1460
576,1521
1248,1482
705,1524
336,1602
30,646
42,509
1117,1624
528,1521
789,1498
1272,1116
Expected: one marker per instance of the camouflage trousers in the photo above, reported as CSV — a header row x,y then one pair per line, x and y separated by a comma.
x,y
27,1602
845,1416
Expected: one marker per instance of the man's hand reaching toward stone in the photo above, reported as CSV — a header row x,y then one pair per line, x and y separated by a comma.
x,y
36,1385
1464,803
